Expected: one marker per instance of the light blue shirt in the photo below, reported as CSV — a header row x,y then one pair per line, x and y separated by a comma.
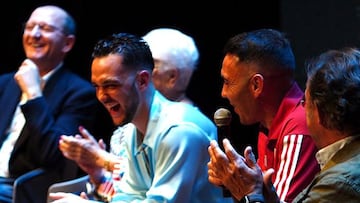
x,y
170,165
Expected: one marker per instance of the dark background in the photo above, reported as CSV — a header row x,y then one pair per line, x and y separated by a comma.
x,y
312,27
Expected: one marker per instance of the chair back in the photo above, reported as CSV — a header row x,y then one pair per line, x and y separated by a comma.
x,y
75,186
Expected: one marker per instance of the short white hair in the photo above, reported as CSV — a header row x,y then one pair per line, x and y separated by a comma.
x,y
173,46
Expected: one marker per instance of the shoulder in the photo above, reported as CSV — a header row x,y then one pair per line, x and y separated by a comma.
x,y
166,114
295,122
6,77
7,81
72,77
184,120
291,118
342,175
344,164
186,113
335,186
70,81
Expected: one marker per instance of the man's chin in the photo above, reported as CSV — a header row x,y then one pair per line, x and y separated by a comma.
x,y
120,122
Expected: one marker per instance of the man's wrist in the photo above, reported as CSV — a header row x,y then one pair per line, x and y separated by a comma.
x,y
254,198
98,177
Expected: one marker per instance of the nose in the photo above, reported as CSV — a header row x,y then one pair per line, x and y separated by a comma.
x,y
223,92
33,31
36,30
101,94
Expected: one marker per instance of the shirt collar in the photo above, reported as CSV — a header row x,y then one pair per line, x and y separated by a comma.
x,y
46,77
325,154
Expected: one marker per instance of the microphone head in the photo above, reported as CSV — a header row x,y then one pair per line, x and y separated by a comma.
x,y
222,117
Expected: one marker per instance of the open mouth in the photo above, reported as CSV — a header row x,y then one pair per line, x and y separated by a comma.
x,y
115,108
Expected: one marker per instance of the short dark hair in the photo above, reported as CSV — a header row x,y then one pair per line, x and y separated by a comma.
x,y
267,47
134,49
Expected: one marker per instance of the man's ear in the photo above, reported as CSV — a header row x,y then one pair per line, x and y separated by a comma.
x,y
143,79
172,77
69,44
256,84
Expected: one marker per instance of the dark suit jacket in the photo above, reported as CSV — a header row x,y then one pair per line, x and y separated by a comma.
x,y
68,101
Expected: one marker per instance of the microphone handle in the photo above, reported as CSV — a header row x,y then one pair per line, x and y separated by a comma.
x,y
223,132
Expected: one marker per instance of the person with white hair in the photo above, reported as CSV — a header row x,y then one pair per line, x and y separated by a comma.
x,y
176,57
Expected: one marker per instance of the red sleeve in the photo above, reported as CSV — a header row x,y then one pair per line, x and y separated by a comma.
x,y
297,168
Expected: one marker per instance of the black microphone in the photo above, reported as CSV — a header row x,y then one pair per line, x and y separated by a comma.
x,y
222,119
